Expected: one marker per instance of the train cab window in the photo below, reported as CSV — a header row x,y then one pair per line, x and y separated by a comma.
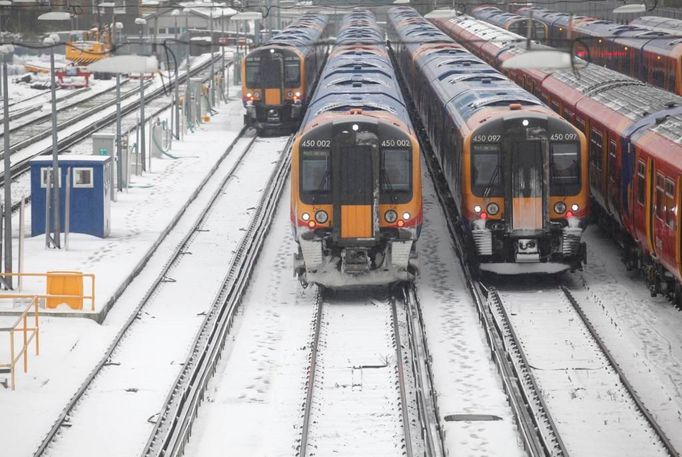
x,y
486,170
315,176
564,169
252,71
396,175
658,77
641,182
670,203
292,72
660,197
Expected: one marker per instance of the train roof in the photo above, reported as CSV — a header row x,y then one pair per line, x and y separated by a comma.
x,y
359,73
628,96
302,34
496,16
661,24
463,82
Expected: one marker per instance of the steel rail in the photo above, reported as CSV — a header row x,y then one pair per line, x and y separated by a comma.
x,y
173,427
429,415
310,380
64,416
663,438
401,380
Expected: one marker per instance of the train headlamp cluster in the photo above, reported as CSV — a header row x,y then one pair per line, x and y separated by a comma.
x,y
493,208
560,208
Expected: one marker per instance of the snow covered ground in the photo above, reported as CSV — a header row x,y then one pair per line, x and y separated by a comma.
x,y
70,347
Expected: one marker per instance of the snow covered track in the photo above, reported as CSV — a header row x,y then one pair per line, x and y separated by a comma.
x,y
359,399
173,427
112,412
594,407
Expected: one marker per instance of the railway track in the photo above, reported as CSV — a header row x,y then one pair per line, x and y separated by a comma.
x,y
563,352
37,102
358,396
23,150
151,346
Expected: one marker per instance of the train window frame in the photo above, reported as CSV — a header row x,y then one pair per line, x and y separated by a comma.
x,y
311,197
499,186
612,160
641,182
659,197
580,123
575,187
669,186
397,196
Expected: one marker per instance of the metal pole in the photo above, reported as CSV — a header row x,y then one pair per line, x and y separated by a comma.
x,y
56,214
177,86
141,144
212,73
119,149
67,209
279,17
8,174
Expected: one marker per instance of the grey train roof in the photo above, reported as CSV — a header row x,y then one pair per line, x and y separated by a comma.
x,y
463,82
356,78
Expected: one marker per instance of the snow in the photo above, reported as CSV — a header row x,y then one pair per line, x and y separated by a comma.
x,y
465,378
71,347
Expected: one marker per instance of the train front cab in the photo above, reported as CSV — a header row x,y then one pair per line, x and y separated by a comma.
x,y
273,83
356,203
528,195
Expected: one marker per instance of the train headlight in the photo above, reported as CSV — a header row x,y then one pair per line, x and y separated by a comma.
x,y
290,94
575,207
256,95
493,208
406,216
477,208
560,207
298,94
391,216
321,217
305,217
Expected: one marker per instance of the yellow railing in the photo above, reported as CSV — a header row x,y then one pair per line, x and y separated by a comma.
x,y
61,287
27,333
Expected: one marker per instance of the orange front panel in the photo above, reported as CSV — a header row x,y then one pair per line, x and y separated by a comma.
x,y
356,221
273,97
527,213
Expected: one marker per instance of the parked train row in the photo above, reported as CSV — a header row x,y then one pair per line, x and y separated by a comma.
x,y
648,49
635,144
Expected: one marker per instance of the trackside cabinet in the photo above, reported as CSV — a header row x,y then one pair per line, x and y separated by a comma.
x,y
90,188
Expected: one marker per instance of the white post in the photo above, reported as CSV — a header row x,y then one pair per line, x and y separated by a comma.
x,y
22,210
67,209
48,186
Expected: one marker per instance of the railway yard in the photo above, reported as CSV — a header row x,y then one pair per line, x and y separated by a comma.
x,y
369,234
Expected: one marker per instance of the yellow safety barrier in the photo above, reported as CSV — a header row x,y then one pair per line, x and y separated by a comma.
x,y
61,287
21,327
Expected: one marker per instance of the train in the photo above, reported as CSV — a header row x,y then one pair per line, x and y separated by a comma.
x,y
278,77
516,170
356,196
635,140
651,56
512,22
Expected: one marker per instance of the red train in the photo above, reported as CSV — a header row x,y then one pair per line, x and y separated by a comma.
x,y
648,55
635,136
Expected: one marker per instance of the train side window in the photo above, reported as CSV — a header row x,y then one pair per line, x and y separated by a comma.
x,y
596,146
612,160
555,106
659,77
660,197
641,182
568,114
580,123
670,203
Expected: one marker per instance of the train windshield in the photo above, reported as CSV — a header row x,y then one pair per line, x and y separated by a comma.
x,y
292,72
315,176
253,71
564,170
396,175
486,170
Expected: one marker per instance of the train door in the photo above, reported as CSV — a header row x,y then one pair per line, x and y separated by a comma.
x,y
528,172
355,183
272,73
